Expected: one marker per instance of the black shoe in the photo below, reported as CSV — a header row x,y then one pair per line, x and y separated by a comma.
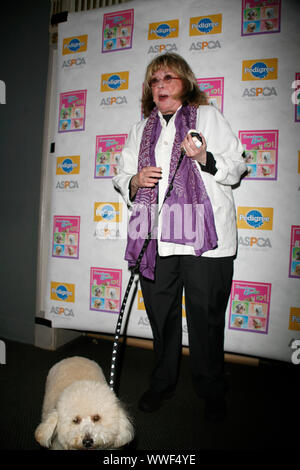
x,y
151,401
215,409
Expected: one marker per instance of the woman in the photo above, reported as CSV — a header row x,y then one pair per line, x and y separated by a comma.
x,y
199,259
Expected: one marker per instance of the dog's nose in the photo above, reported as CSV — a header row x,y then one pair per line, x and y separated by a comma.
x,y
87,441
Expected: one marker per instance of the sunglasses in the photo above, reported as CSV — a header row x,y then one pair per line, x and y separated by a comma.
x,y
167,79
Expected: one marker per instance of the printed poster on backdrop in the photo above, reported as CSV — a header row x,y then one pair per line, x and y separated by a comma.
x,y
250,306
117,30
261,154
107,154
294,270
214,90
260,17
72,110
66,230
105,289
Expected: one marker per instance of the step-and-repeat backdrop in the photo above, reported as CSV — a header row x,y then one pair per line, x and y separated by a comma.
x,y
244,54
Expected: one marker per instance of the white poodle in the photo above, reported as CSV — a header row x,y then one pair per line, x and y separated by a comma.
x,y
80,411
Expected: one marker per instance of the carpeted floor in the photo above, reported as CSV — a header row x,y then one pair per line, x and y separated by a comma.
x,y
263,401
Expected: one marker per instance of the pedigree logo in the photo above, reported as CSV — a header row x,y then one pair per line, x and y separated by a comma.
x,y
107,212
75,44
62,292
202,25
294,319
260,69
163,30
114,81
68,165
140,301
257,218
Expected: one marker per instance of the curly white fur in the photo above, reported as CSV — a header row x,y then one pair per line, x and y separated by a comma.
x,y
80,411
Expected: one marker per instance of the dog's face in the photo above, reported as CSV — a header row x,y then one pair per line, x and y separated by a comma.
x,y
238,322
89,416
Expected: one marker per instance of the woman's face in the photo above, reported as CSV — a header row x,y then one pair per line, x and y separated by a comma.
x,y
166,89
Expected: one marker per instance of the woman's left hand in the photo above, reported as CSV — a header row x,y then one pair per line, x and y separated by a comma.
x,y
198,154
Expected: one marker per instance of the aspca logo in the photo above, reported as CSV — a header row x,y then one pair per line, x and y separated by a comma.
x,y
159,48
67,185
68,165
115,81
255,218
62,312
259,92
106,232
143,322
163,30
113,101
254,242
107,212
79,62
206,25
265,69
75,44
62,292
205,46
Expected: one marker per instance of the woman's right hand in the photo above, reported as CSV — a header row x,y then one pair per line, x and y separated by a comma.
x,y
148,177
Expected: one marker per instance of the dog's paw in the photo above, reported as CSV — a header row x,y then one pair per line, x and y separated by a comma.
x,y
45,431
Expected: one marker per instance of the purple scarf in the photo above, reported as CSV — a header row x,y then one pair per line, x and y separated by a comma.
x,y
187,215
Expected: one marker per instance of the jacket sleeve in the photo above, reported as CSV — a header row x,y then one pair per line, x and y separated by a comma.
x,y
223,144
127,165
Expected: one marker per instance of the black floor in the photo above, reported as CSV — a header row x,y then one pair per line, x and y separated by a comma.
x,y
263,402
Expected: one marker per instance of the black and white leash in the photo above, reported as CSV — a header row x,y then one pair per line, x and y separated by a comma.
x,y
134,271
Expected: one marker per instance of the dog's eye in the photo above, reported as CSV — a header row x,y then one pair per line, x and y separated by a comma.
x,y
76,420
96,418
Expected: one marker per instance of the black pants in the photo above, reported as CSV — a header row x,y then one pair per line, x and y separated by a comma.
x,y
207,284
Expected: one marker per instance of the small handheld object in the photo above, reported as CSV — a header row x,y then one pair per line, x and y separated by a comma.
x,y
196,137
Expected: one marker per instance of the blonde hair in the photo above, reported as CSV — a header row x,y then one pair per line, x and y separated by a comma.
x,y
191,93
